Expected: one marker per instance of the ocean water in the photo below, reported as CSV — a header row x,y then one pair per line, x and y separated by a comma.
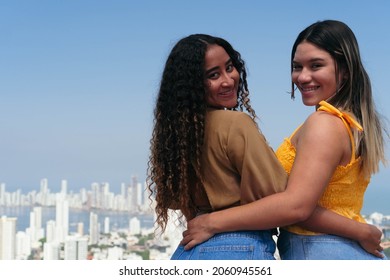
x,y
118,220
377,199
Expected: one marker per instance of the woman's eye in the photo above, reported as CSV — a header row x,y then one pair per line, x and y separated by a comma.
x,y
296,67
213,76
230,68
315,66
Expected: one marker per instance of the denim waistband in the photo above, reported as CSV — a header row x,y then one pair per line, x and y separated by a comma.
x,y
254,234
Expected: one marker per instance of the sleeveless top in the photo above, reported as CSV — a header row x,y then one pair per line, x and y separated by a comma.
x,y
345,192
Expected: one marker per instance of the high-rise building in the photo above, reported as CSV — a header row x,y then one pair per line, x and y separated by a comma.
x,y
76,248
62,217
38,217
44,192
104,195
64,187
80,229
132,195
2,194
135,226
106,225
51,251
23,246
123,190
93,228
95,195
146,201
7,238
82,248
35,231
50,231
16,197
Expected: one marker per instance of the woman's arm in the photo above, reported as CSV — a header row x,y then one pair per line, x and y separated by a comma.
x,y
329,222
313,167
369,237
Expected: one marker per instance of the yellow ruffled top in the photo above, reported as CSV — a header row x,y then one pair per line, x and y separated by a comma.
x,y
345,192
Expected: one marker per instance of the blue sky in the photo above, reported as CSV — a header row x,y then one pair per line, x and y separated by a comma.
x,y
78,79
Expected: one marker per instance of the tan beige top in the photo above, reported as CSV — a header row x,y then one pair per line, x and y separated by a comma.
x,y
238,165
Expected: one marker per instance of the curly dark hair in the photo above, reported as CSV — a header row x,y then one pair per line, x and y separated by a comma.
x,y
179,121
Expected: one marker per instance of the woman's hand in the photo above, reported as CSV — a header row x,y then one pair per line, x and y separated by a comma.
x,y
198,231
371,241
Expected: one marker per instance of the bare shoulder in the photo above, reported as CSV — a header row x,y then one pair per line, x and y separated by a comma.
x,y
324,124
321,133
325,130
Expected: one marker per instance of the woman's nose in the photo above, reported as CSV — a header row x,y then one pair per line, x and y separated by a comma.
x,y
304,76
227,80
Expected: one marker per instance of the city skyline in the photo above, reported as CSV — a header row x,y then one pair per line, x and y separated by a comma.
x,y
131,197
374,202
53,238
43,239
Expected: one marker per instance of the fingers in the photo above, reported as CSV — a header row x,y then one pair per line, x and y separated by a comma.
x,y
378,251
379,254
185,240
189,245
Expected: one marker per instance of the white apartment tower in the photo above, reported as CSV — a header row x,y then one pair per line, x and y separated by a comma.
x,y
106,225
44,192
51,251
62,217
132,195
2,193
93,228
50,231
135,226
146,201
64,187
7,238
35,231
23,246
76,248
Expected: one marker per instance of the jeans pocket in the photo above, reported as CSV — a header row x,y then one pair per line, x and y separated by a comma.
x,y
227,252
328,249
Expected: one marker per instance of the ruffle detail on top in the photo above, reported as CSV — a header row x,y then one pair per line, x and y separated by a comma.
x,y
325,106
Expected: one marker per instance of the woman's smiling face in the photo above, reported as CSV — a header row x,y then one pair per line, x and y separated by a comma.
x,y
221,78
314,73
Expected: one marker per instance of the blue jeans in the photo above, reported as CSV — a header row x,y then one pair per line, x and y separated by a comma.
x,y
238,245
320,247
